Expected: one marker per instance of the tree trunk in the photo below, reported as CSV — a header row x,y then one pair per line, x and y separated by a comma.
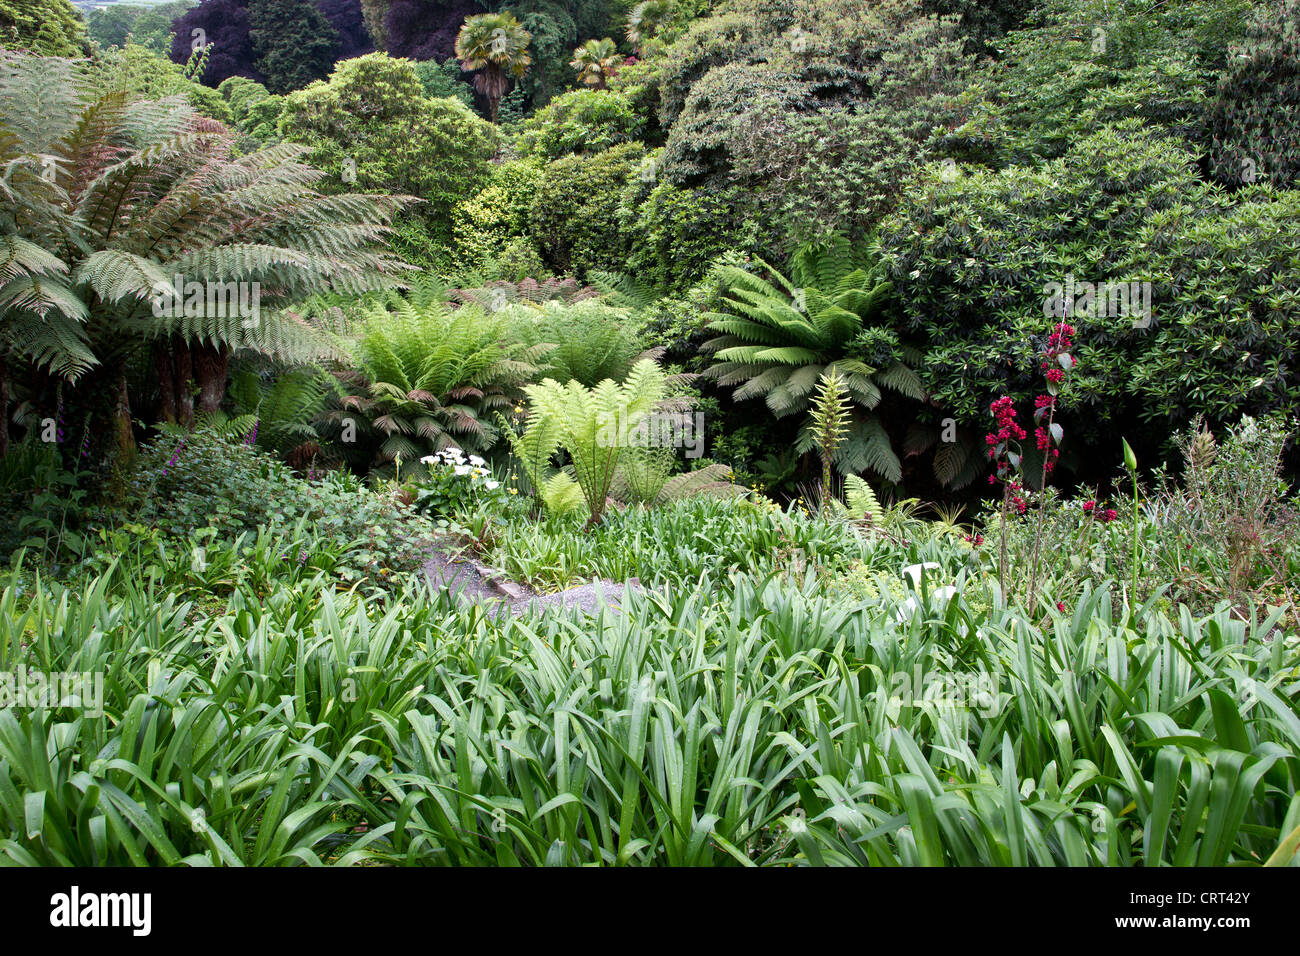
x,y
174,365
162,367
184,372
4,407
210,374
122,416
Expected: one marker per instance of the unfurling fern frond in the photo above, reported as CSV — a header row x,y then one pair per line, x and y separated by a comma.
x,y
862,502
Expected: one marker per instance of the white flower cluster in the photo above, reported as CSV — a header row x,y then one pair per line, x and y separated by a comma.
x,y
473,466
939,596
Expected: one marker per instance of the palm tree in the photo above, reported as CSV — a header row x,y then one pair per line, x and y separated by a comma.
x,y
596,61
497,45
646,20
138,197
780,337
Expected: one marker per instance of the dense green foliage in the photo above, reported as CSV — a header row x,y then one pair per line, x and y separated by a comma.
x,y
583,121
434,376
1256,111
42,27
370,126
149,26
862,735
778,338
1221,271
574,217
295,44
123,294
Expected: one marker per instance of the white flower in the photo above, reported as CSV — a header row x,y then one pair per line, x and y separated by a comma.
x,y
476,460
428,460
907,609
944,594
462,470
491,485
914,571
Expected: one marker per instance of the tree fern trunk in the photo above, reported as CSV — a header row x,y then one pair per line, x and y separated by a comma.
x,y
164,372
184,380
4,407
123,434
210,374
175,371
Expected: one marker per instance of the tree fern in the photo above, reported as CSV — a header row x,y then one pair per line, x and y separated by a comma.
x,y
127,194
286,402
434,375
716,480
779,336
592,424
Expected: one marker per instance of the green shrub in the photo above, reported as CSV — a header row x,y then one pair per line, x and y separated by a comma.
x,y
581,121
496,217
371,123
1256,110
1086,64
975,258
676,234
253,109
211,485
574,218
441,80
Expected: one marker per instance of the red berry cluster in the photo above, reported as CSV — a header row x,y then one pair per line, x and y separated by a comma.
x,y
1008,428
1004,413
1090,508
1060,341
